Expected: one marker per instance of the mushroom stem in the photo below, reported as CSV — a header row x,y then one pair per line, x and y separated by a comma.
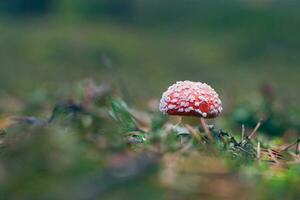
x,y
178,120
206,130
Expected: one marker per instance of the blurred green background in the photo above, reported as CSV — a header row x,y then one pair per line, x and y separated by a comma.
x,y
148,44
142,46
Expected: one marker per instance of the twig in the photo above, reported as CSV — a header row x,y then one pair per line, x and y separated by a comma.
x,y
272,156
291,145
194,133
258,150
255,130
296,157
206,130
243,131
297,147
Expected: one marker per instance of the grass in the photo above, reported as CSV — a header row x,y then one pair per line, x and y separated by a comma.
x,y
97,147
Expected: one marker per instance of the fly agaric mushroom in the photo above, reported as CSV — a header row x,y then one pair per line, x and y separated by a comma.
x,y
187,98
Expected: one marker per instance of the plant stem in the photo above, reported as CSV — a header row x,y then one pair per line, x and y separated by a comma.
x,y
255,129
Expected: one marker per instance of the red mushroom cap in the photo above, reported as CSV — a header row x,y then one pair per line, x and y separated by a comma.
x,y
191,99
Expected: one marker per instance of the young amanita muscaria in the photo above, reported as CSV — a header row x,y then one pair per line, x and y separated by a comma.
x,y
187,98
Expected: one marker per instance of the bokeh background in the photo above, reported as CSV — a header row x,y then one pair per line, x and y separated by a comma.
x,y
148,44
248,50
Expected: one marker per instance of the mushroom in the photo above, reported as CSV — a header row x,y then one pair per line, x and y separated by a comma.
x,y
187,98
